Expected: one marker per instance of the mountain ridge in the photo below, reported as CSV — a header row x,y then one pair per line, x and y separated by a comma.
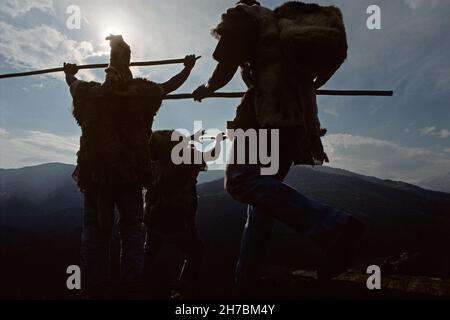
x,y
46,170
36,227
439,183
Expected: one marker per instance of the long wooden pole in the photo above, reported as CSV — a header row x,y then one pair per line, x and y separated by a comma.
x,y
92,66
189,96
376,93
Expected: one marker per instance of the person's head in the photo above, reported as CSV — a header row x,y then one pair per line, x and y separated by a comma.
x,y
163,142
161,145
249,2
118,70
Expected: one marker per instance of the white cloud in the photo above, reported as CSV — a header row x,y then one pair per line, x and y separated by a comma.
x,y
427,131
155,31
443,134
365,155
4,133
384,159
35,147
38,85
417,4
49,140
17,8
332,112
435,132
41,47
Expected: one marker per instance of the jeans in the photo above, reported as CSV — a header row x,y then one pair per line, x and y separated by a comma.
x,y
268,199
190,245
96,237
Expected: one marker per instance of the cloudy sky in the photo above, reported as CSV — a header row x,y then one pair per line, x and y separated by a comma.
x,y
406,137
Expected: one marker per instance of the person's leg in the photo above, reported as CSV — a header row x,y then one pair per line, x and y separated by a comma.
x,y
192,247
254,244
153,244
321,222
256,239
130,204
95,247
324,224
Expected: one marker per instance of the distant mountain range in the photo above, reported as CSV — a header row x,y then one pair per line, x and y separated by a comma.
x,y
34,183
41,209
437,183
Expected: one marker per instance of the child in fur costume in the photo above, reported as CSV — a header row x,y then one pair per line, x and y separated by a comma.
x,y
171,206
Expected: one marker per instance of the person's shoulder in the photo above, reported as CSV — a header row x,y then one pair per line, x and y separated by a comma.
x,y
146,86
74,87
82,86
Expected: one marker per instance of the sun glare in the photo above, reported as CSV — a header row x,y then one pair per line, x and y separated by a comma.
x,y
114,22
115,30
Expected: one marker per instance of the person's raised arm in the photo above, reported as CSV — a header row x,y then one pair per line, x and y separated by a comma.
x,y
236,34
70,70
223,74
178,80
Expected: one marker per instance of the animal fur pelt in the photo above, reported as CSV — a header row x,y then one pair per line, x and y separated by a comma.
x,y
283,78
313,37
116,126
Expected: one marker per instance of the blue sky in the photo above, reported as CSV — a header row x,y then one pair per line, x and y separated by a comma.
x,y
406,137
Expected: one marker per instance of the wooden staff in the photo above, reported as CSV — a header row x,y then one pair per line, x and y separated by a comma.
x,y
93,66
376,93
189,96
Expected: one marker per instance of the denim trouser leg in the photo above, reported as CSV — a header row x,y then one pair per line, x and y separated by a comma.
x,y
190,245
153,244
254,244
271,198
95,248
132,233
95,241
282,202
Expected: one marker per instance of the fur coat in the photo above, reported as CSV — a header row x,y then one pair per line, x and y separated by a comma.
x,y
287,49
116,126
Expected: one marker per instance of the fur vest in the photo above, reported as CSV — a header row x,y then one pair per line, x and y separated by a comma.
x,y
116,126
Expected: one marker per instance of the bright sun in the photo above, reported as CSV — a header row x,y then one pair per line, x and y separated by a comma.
x,y
115,30
114,22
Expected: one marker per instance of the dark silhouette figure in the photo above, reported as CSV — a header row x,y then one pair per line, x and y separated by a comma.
x,y
113,162
171,207
284,56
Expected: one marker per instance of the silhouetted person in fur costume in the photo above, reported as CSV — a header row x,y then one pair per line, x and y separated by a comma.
x,y
284,56
113,162
171,207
